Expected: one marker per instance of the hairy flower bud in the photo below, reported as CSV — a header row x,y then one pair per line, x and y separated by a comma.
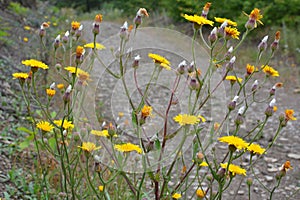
x,y
229,65
213,35
194,84
191,67
263,44
136,61
181,67
232,104
254,86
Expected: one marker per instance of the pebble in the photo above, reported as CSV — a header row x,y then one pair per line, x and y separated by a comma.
x,y
241,192
269,159
269,178
294,156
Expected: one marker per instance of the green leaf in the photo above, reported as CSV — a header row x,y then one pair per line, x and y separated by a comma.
x,y
24,144
52,143
26,130
134,119
157,144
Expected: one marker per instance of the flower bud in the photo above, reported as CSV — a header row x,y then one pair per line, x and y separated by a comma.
x,y
52,86
96,29
42,32
274,45
194,84
56,43
65,38
213,35
229,65
232,104
263,44
78,33
249,181
67,94
254,86
136,61
272,91
221,172
205,9
281,117
221,30
228,53
181,67
191,67
251,24
124,34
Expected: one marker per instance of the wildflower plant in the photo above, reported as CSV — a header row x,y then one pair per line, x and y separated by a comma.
x,y
163,142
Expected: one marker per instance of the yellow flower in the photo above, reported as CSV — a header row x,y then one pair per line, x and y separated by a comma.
x,y
275,108
35,64
269,71
231,32
146,111
120,114
184,119
176,196
202,119
200,193
66,124
255,14
44,126
286,166
255,149
229,22
60,86
250,69
72,70
98,18
75,25
158,59
103,133
50,92
79,51
83,77
234,169
233,79
167,67
128,147
203,164
91,45
198,19
289,115
101,188
27,28
25,39
20,75
239,143
89,146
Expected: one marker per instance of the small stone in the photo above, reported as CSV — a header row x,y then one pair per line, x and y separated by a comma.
x,y
294,156
269,178
270,160
273,169
241,192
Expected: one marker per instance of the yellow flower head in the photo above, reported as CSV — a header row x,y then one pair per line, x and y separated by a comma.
x,y
200,193
250,69
91,45
44,126
72,70
25,39
269,71
20,75
35,64
89,146
255,149
203,164
83,76
176,196
233,79
128,147
198,19
255,14
66,124
231,32
234,169
75,25
158,59
60,86
101,188
98,18
79,51
50,92
206,7
286,166
27,28
103,133
239,143
289,115
184,119
277,35
222,20
167,67
146,111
